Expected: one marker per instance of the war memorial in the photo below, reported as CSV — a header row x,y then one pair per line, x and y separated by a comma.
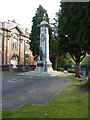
x,y
44,65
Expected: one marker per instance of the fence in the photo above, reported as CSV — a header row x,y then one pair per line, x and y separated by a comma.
x,y
26,67
20,68
85,69
6,67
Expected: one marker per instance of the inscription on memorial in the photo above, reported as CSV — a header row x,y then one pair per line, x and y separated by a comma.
x,y
40,64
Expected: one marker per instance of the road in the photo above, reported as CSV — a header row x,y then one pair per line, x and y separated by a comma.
x,y
18,90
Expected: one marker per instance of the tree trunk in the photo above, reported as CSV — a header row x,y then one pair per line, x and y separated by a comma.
x,y
77,69
56,63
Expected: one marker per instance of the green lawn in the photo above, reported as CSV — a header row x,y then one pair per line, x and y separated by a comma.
x,y
69,103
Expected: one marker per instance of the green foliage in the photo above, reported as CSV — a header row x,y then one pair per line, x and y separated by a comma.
x,y
54,45
35,32
73,22
66,59
54,54
55,48
61,69
86,60
73,30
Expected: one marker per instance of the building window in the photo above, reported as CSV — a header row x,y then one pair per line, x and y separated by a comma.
x,y
27,45
26,59
14,43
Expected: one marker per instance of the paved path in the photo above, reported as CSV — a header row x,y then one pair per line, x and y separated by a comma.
x,y
18,90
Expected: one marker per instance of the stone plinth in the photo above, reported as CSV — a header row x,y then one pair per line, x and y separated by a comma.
x,y
39,73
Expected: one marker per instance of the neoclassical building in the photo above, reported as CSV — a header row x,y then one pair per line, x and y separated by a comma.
x,y
14,45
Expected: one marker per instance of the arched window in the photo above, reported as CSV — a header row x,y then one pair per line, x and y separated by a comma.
x,y
14,43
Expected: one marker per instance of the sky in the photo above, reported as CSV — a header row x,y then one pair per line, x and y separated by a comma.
x,y
22,11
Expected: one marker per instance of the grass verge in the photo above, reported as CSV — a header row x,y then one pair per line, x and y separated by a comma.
x,y
71,102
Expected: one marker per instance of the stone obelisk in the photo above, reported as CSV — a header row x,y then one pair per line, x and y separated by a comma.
x,y
44,63
44,66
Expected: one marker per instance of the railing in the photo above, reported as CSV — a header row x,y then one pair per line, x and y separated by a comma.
x,y
6,67
19,68
85,69
26,67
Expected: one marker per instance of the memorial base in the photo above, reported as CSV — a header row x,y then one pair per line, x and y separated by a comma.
x,y
42,69
40,66
44,66
48,66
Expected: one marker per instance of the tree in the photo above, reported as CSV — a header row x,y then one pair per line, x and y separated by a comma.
x,y
54,48
73,31
66,59
35,32
54,55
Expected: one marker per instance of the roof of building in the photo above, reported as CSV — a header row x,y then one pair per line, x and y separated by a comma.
x,y
9,25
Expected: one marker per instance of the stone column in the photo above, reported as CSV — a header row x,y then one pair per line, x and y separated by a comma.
x,y
44,46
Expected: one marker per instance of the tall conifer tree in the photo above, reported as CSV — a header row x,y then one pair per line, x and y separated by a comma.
x,y
73,31
35,32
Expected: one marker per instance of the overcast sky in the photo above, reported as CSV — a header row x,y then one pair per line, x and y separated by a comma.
x,y
22,11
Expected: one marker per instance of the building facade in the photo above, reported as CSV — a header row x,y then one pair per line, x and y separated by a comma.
x,y
14,45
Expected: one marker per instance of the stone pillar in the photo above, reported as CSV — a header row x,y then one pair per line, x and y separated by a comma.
x,y
44,47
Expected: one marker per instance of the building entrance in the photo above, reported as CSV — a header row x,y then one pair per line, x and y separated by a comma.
x,y
14,61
